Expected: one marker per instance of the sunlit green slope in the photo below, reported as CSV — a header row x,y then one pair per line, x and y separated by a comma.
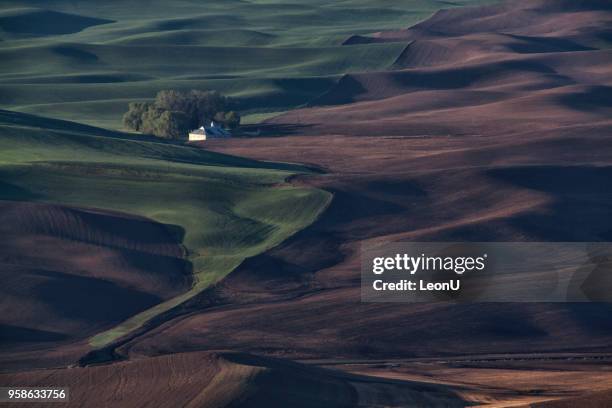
x,y
224,208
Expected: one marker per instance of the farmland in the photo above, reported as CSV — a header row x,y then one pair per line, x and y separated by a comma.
x,y
272,56
226,272
221,209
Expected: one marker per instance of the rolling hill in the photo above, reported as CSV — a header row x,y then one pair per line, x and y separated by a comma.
x,y
33,22
478,124
505,137
491,150
510,67
153,223
271,56
222,379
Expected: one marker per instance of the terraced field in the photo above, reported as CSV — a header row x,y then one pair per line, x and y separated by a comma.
x,y
272,56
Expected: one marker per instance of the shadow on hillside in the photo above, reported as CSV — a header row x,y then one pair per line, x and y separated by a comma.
x,y
38,22
463,77
343,92
25,119
582,201
75,53
15,335
12,118
13,192
595,97
85,298
534,45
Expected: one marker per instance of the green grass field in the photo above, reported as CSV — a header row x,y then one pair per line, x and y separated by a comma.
x,y
226,208
272,55
84,61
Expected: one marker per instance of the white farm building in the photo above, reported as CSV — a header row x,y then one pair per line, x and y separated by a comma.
x,y
214,131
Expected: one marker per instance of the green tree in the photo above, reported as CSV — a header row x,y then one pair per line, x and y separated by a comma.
x,y
164,123
199,106
150,120
173,125
173,113
132,119
177,101
207,105
232,120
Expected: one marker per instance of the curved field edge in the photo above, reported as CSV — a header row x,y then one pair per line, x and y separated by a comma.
x,y
306,204
222,208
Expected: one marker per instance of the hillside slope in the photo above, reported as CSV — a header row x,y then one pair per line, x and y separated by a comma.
x,y
507,139
91,215
508,68
506,147
230,379
69,273
270,56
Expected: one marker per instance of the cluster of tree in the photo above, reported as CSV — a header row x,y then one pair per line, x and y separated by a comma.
x,y
174,113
